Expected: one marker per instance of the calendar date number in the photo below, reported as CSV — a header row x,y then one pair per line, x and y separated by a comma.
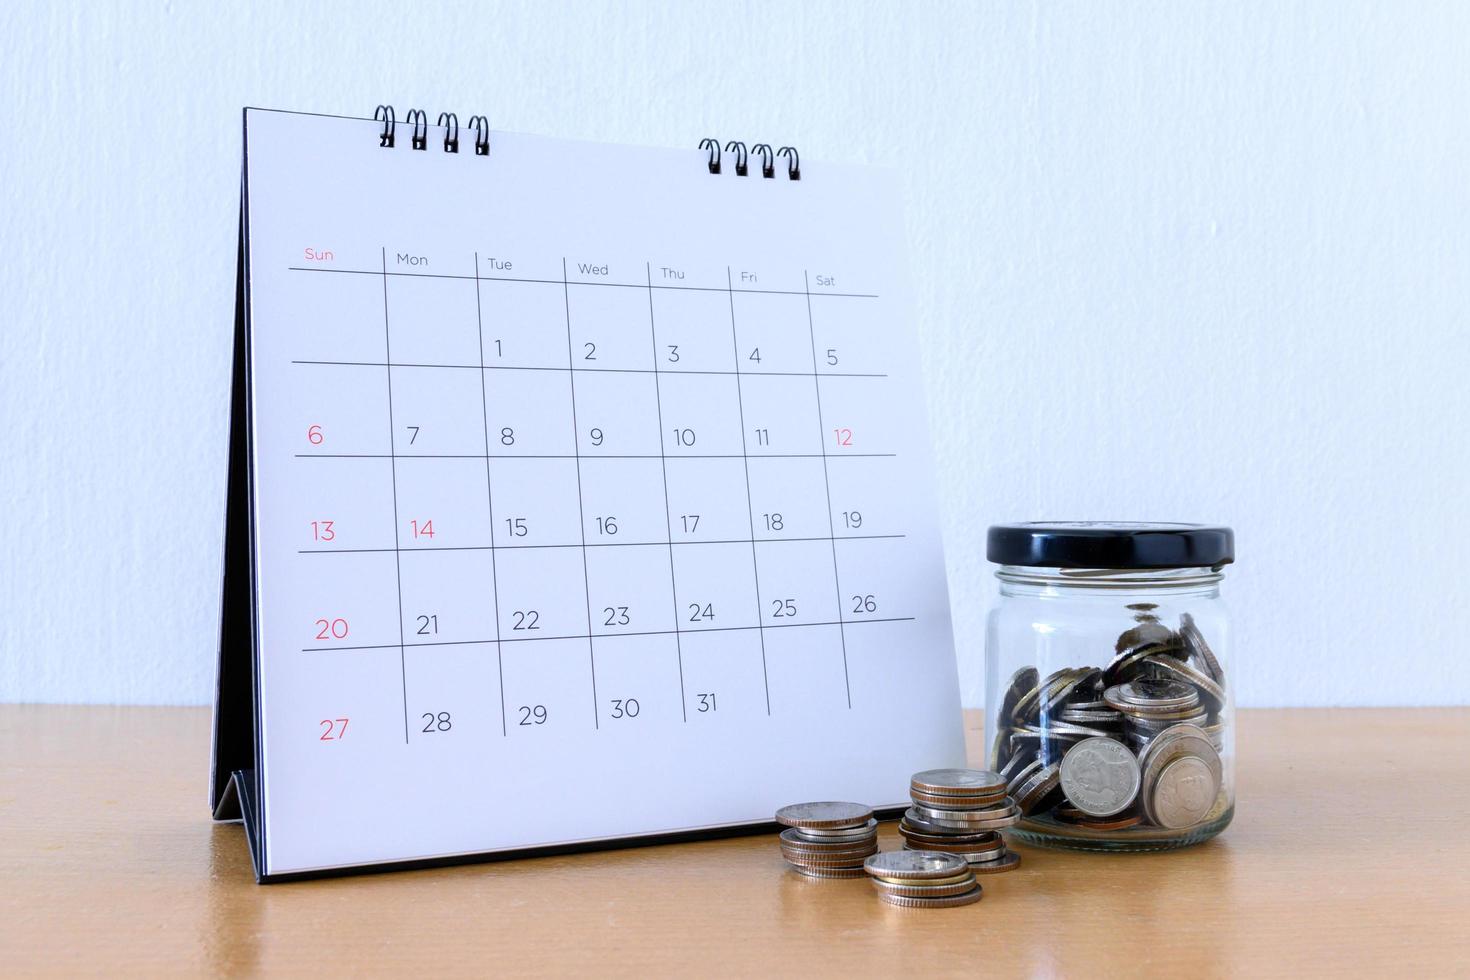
x,y
332,729
532,714
331,629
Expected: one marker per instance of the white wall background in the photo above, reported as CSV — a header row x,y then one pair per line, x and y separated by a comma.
x,y
1174,261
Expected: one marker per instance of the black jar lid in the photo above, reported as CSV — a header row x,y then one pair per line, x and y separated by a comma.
x,y
1109,544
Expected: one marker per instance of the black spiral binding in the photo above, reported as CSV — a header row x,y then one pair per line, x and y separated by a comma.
x,y
420,123
742,158
713,146
793,161
481,126
448,121
768,159
384,114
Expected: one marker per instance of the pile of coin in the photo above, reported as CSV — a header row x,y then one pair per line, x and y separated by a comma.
x,y
922,879
961,812
1134,743
828,840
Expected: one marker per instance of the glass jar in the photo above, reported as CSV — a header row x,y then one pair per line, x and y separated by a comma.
x,y
1108,708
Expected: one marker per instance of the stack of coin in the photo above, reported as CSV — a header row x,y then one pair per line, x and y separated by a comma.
x,y
1181,777
961,812
828,840
922,879
1137,741
1150,705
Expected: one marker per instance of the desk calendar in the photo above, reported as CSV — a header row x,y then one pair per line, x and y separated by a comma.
x,y
579,494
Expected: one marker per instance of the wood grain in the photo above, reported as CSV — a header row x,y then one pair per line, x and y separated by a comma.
x,y
1348,854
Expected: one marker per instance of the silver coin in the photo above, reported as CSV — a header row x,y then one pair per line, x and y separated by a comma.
x,y
1027,703
1127,666
959,804
965,819
967,851
985,857
1156,693
942,828
1198,649
1025,773
1078,716
1009,862
824,815
1148,633
856,872
966,898
853,861
984,863
1029,708
1100,776
1013,766
919,865
1184,792
1058,729
840,833
1059,686
1211,694
957,782
1096,704
1021,683
1153,724
1176,743
1174,698
923,891
1035,790
798,846
947,835
792,840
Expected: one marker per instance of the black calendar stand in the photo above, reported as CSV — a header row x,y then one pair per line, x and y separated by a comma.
x,y
233,790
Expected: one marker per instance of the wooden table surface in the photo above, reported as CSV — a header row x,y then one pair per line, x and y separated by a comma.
x,y
1348,854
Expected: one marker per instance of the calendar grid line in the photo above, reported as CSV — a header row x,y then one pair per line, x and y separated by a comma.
x,y
594,370
755,565
591,637
668,518
597,544
827,483
585,456
490,498
569,282
581,512
393,475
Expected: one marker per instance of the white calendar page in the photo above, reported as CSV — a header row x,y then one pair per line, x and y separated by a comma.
x,y
591,494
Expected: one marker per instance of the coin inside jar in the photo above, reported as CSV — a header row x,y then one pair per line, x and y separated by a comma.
x,y
1151,696
1184,792
1198,649
1100,776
